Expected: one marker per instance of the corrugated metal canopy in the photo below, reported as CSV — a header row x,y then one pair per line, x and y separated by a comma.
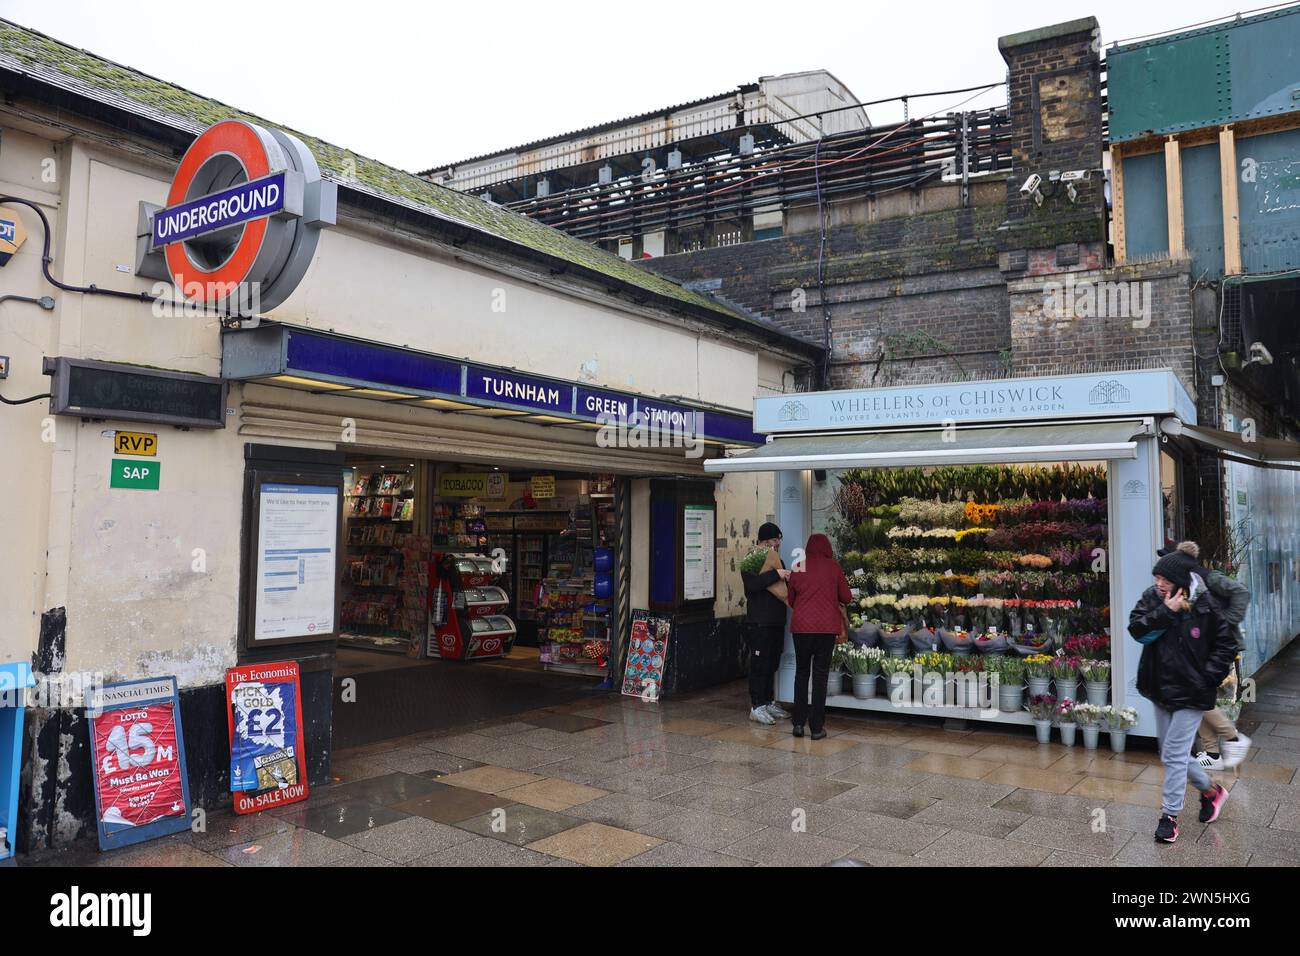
x,y
1063,441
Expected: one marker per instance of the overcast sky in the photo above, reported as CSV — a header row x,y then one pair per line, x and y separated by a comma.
x,y
418,85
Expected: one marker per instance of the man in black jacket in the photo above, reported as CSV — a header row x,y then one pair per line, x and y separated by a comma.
x,y
765,614
1187,652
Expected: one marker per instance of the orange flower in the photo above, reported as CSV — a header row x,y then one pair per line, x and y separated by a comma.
x,y
978,514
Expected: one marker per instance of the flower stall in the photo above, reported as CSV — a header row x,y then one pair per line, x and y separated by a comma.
x,y
994,535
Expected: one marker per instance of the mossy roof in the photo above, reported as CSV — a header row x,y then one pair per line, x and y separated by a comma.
x,y
50,61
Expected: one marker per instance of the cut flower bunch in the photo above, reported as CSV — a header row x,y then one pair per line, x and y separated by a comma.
x,y
752,563
974,548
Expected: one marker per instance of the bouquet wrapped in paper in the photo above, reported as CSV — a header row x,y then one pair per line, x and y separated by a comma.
x,y
865,635
1030,643
925,640
991,642
762,560
956,640
896,641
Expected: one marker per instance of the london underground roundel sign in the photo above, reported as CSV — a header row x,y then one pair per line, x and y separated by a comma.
x,y
243,217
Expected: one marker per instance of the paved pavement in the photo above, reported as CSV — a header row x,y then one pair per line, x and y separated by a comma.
x,y
692,781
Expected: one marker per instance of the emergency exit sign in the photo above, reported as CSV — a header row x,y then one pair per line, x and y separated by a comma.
x,y
141,475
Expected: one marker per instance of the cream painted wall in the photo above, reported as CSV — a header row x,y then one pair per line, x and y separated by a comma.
x,y
118,329
772,374
29,171
153,585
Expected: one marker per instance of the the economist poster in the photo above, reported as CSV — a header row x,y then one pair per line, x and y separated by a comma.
x,y
136,742
264,708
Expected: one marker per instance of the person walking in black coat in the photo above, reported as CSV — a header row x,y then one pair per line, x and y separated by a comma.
x,y
765,613
1216,726
1187,651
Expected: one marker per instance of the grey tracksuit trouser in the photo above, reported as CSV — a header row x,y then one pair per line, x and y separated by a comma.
x,y
1176,730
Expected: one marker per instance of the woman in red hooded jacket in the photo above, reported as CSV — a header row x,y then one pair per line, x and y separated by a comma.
x,y
818,592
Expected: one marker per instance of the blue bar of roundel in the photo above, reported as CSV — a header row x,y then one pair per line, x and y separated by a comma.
x,y
253,190
378,365
510,388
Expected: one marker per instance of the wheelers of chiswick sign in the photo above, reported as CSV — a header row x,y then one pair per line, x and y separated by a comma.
x,y
242,218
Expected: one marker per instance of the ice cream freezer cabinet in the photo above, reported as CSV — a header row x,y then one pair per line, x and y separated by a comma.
x,y
467,619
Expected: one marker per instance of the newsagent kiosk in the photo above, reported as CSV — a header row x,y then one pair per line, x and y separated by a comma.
x,y
1111,423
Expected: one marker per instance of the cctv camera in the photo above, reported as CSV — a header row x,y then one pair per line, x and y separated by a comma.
x,y
1031,184
1260,354
1071,192
1076,175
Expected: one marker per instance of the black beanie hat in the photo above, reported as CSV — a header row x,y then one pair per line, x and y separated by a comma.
x,y
1176,568
768,531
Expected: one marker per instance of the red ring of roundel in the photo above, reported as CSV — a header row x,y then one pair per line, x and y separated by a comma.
x,y
241,141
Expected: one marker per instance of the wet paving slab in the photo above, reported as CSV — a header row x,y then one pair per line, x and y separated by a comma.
x,y
609,781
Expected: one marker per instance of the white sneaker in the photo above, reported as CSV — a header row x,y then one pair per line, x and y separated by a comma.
x,y
1209,761
775,710
1235,751
760,715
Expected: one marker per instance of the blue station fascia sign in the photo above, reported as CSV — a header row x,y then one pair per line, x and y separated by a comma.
x,y
511,389
306,355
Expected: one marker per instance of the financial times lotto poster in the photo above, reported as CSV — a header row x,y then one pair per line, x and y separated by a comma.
x,y
138,749
264,710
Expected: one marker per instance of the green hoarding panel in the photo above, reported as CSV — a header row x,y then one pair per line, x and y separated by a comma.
x,y
1265,71
1203,210
1222,74
1164,87
1268,192
1146,218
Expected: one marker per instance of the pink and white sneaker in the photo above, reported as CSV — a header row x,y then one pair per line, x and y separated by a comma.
x,y
1212,803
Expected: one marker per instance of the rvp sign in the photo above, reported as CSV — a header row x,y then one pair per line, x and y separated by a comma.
x,y
135,443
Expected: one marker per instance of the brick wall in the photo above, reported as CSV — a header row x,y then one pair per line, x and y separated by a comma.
x,y
909,298
937,326
1141,314
1054,100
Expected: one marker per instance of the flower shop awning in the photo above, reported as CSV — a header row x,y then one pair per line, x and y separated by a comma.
x,y
970,445
1259,451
